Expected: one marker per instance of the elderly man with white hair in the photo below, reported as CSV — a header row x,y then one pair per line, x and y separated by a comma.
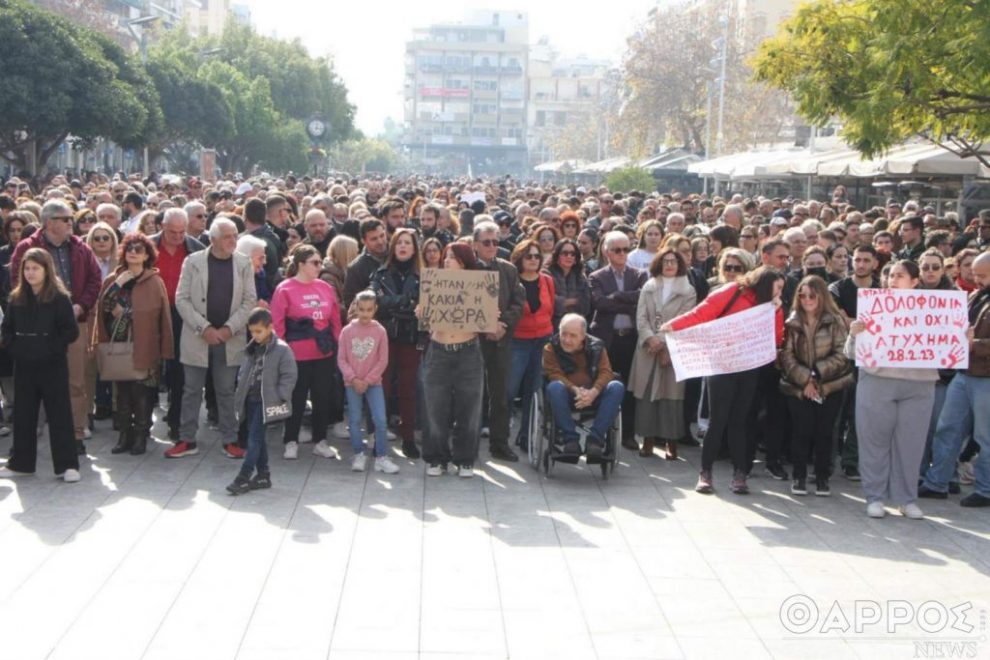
x,y
215,296
580,377
174,246
614,297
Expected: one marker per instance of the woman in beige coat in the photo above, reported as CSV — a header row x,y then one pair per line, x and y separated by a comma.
x,y
659,397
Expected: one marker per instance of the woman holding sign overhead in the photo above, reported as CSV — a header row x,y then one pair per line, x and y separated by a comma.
x,y
732,394
893,407
814,370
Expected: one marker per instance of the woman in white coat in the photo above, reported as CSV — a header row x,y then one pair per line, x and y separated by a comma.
x,y
659,397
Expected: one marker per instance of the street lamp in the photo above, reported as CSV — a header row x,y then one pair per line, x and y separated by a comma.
x,y
142,40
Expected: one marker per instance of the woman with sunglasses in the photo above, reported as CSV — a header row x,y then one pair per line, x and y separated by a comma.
x,y
133,307
573,293
305,314
102,240
533,331
814,370
659,397
83,222
733,264
570,225
731,395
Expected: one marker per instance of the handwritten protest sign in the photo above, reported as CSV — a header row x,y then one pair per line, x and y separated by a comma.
x,y
465,300
738,342
912,328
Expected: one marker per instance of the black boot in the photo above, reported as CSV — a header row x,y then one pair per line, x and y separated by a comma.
x,y
124,443
141,404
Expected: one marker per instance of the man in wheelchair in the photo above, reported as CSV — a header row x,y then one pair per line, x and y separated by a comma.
x,y
579,377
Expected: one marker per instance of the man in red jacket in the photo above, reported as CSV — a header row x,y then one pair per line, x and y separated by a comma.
x,y
76,264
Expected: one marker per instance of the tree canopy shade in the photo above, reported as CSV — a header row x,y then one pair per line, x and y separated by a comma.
x,y
61,80
890,70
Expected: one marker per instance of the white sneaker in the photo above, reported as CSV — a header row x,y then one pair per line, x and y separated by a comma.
x,y
465,471
339,431
4,430
358,462
876,509
391,437
966,475
291,450
911,511
326,450
434,470
385,464
87,434
7,473
71,476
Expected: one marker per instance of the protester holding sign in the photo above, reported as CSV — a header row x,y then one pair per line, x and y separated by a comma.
x,y
893,406
453,381
732,393
814,371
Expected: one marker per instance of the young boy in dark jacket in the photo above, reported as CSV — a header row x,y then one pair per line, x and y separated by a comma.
x,y
264,393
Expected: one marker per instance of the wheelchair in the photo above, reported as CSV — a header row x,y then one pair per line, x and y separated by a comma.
x,y
545,443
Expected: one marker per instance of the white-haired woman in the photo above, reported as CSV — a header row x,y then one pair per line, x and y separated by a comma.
x,y
253,248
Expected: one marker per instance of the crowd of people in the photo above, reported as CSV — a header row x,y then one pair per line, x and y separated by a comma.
x,y
295,300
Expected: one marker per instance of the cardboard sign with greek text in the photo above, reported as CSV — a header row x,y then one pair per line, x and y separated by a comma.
x,y
464,300
728,345
917,328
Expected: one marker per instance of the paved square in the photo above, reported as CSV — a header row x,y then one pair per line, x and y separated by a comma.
x,y
150,558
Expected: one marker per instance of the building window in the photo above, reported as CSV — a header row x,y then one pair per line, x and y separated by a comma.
x,y
541,118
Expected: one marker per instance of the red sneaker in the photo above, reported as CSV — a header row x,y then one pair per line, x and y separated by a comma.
x,y
231,450
182,449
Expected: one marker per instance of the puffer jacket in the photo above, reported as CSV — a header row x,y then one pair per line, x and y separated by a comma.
x,y
822,358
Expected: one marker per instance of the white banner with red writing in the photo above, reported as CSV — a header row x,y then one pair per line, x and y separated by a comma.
x,y
917,328
728,345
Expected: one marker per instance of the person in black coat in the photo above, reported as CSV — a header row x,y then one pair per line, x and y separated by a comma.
x,y
37,330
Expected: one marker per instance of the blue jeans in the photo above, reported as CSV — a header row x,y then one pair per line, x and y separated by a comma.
x,y
375,396
256,455
607,404
940,389
965,408
525,373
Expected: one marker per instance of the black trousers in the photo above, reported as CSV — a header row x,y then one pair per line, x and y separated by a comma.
x,y
769,417
174,377
315,380
813,424
36,383
621,351
498,357
134,405
731,396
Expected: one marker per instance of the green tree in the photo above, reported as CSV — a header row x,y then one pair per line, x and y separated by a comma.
x,y
61,80
363,155
889,70
630,178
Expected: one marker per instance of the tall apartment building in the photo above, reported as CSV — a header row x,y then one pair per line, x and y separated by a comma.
x,y
562,91
207,17
465,94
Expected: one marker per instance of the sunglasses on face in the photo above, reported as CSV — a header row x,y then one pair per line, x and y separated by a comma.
x,y
531,255
489,242
101,238
732,268
808,296
931,267
621,250
314,262
568,253
134,247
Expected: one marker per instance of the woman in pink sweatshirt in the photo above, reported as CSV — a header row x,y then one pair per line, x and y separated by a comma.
x,y
363,359
306,315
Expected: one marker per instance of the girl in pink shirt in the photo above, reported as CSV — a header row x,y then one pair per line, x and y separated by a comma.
x,y
363,359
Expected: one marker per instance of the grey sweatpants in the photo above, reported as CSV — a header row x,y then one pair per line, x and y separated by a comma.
x,y
892,416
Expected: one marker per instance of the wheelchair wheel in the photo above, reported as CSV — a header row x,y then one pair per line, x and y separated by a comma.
x,y
536,439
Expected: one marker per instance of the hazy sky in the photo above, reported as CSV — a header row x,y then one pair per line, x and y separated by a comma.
x,y
367,38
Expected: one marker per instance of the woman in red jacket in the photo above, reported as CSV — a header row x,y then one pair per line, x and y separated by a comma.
x,y
731,394
533,331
